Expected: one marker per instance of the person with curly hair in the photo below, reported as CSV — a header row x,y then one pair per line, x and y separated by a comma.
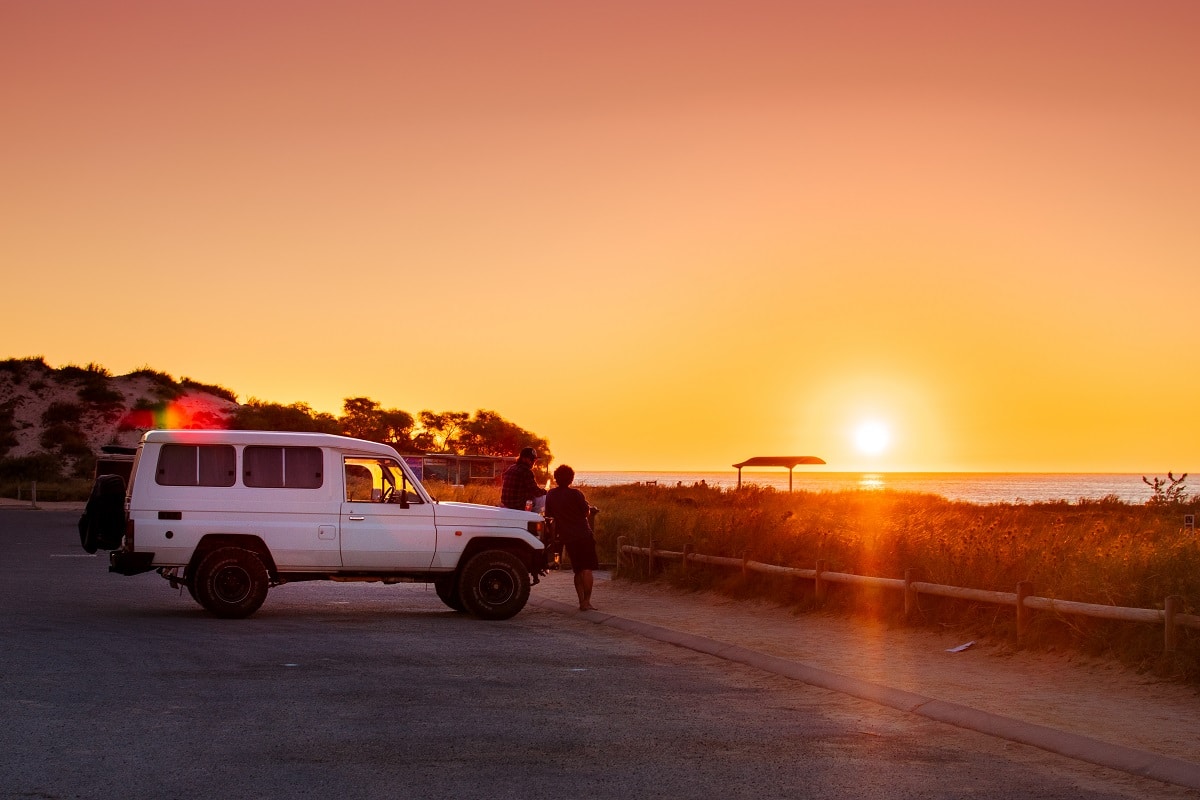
x,y
572,515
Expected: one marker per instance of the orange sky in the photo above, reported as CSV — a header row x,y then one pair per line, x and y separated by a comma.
x,y
664,235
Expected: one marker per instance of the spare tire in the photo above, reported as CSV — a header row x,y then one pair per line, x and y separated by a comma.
x,y
103,522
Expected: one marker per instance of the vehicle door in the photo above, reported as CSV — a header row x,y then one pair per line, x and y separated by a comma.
x,y
385,523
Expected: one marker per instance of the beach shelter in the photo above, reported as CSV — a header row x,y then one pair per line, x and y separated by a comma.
x,y
791,462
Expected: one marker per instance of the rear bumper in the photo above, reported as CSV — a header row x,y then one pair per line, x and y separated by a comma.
x,y
124,563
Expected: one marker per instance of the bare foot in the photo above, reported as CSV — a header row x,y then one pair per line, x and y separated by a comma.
x,y
587,608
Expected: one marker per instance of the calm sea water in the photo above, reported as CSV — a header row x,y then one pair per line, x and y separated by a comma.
x,y
972,487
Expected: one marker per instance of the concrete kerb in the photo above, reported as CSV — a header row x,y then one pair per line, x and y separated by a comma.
x,y
1072,745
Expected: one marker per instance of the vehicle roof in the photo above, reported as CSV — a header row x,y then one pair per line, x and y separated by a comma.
x,y
270,438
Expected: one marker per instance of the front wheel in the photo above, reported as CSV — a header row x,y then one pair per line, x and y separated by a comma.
x,y
447,592
231,582
494,585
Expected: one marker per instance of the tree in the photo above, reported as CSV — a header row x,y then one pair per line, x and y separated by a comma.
x,y
489,434
443,430
255,415
365,419
484,434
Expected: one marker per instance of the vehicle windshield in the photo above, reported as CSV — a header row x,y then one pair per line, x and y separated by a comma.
x,y
378,480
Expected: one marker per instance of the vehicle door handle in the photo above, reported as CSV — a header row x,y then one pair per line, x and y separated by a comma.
x,y
353,517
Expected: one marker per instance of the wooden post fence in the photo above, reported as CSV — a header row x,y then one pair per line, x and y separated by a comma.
x,y
1024,589
910,595
1024,601
1170,612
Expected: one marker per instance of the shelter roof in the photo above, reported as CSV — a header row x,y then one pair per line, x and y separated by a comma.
x,y
779,461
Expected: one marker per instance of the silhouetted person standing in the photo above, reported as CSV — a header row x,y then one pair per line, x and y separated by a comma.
x,y
572,523
520,485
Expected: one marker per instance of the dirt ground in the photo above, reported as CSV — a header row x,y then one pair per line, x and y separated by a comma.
x,y
1098,699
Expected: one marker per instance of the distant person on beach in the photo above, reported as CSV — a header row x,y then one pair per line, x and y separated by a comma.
x,y
520,485
572,517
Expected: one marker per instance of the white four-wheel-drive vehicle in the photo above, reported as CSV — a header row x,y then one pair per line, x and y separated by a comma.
x,y
229,514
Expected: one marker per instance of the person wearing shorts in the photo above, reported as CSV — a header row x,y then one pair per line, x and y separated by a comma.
x,y
572,522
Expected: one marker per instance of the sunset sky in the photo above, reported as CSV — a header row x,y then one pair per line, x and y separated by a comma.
x,y
663,235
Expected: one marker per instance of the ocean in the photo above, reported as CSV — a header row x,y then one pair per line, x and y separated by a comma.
x,y
972,487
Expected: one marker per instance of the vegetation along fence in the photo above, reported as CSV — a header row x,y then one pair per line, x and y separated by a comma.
x,y
1023,600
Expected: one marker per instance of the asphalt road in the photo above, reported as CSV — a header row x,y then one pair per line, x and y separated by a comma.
x,y
115,687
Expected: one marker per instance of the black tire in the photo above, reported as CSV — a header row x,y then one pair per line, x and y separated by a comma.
x,y
231,582
494,585
190,583
103,522
447,592
85,534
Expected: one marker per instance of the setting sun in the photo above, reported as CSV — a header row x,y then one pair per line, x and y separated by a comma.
x,y
872,437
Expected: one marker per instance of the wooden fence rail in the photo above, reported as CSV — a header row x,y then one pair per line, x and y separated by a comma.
x,y
1022,600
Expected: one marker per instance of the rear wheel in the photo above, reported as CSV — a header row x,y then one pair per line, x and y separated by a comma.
x,y
447,591
494,585
231,582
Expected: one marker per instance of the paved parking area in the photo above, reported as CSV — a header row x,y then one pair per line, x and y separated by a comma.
x,y
114,687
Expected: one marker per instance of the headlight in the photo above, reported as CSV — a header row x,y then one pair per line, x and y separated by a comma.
x,y
536,527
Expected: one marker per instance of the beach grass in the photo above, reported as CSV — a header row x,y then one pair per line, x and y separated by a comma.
x,y
1093,551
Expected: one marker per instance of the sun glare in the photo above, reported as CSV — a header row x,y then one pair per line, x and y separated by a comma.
x,y
872,437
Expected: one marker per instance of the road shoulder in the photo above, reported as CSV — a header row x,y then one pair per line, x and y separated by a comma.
x,y
1095,711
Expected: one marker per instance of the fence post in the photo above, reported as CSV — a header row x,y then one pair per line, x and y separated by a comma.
x,y
1170,608
650,559
620,555
1024,589
910,594
33,494
819,588
745,564
688,549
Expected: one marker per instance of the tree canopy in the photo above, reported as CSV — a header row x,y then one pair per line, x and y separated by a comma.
x,y
255,415
485,433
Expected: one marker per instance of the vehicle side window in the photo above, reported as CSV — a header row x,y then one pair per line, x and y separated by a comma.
x,y
358,483
378,480
282,467
196,465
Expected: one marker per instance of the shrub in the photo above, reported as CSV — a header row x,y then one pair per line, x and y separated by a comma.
x,y
100,395
67,439
8,427
71,373
38,467
85,466
163,384
62,414
216,391
1169,492
18,367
